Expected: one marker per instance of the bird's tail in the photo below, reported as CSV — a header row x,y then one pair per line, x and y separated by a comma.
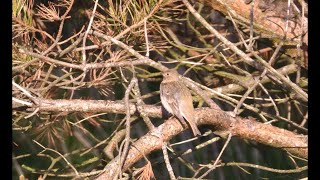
x,y
193,125
194,128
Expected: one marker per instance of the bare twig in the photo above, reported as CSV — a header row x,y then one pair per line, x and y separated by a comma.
x,y
49,149
128,115
218,158
167,161
84,57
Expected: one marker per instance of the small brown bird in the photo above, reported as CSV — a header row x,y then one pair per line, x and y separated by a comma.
x,y
176,98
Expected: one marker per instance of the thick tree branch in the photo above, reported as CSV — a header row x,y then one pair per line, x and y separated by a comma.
x,y
245,128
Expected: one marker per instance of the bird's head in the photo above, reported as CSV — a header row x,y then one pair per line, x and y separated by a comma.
x,y
170,75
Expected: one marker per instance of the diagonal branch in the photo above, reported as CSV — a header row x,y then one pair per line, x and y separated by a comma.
x,y
243,128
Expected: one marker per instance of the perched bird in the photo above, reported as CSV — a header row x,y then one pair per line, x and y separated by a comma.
x,y
176,98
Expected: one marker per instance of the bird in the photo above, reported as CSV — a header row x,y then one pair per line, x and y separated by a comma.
x,y
176,99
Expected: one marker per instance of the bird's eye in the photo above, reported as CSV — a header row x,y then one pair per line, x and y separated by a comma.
x,y
167,74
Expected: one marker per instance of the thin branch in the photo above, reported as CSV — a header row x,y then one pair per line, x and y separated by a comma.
x,y
167,161
128,115
49,149
84,57
218,158
280,171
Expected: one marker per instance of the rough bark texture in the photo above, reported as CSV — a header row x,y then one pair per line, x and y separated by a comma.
x,y
269,20
243,128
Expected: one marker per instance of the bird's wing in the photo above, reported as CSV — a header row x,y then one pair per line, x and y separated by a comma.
x,y
186,109
185,106
163,97
169,99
